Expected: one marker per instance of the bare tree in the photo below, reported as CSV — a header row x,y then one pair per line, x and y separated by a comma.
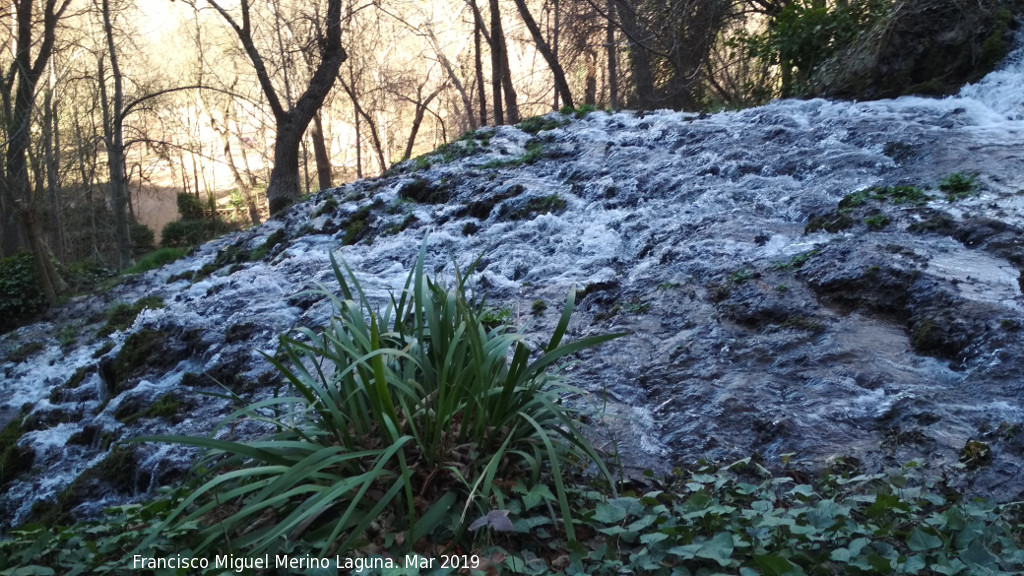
x,y
284,187
561,86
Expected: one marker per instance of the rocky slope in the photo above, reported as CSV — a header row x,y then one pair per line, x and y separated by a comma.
x,y
794,278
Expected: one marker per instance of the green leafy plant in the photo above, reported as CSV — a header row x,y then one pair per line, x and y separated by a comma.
x,y
407,417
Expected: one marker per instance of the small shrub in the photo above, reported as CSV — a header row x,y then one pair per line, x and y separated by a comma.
x,y
539,205
328,207
20,296
831,222
67,336
579,113
358,226
194,228
184,233
190,207
534,152
142,238
796,261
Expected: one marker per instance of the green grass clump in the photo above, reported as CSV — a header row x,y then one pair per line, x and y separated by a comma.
x,y
13,459
538,307
534,152
167,406
900,195
539,205
412,418
122,315
876,222
958,186
537,124
25,351
580,112
157,259
796,261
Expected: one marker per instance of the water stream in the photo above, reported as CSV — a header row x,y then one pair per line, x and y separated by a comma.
x,y
748,334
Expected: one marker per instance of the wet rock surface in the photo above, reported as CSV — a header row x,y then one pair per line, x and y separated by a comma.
x,y
895,336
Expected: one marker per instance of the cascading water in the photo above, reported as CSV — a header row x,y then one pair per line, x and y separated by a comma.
x,y
894,336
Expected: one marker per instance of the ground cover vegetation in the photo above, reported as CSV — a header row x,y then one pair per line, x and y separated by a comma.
x,y
739,519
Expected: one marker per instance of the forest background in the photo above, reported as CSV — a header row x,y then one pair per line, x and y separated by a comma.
x,y
122,118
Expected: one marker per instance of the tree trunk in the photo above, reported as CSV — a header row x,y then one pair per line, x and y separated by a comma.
x,y
51,151
285,186
323,159
613,75
511,107
375,140
481,86
497,47
590,90
113,136
46,274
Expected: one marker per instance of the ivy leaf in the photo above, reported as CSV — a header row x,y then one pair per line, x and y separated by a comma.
x,y
718,549
34,571
609,513
687,552
536,495
948,569
699,500
652,538
496,519
772,565
920,541
915,564
976,554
